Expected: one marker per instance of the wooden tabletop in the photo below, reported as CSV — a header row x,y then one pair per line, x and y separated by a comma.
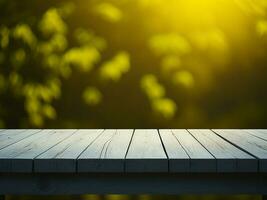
x,y
133,150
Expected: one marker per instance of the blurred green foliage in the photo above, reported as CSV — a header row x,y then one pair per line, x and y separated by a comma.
x,y
133,64
108,12
92,96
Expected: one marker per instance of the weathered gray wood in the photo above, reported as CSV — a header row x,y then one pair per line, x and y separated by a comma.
x,y
200,159
150,151
10,136
107,153
258,133
63,156
8,131
19,157
178,159
250,143
146,153
229,158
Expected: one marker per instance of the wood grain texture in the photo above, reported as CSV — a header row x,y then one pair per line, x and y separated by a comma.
x,y
178,158
247,142
126,150
258,133
107,153
7,131
19,156
200,159
229,158
63,156
146,153
9,137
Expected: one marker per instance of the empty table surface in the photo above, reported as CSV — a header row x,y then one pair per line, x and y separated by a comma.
x,y
133,150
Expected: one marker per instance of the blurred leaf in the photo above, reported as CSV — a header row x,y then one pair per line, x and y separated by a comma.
x,y
4,33
84,37
48,111
58,42
52,23
24,33
170,64
54,86
36,120
213,40
52,61
83,58
92,96
115,68
261,27
32,105
66,9
164,106
151,87
171,43
184,78
108,12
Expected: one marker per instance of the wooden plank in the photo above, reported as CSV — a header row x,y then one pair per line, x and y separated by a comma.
x,y
258,133
107,153
200,159
11,136
250,143
7,131
63,156
229,158
146,153
19,157
178,159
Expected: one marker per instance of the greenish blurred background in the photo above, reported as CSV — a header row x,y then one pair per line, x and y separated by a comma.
x,y
133,64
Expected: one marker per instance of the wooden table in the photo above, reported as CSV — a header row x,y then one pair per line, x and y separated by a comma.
x,y
127,161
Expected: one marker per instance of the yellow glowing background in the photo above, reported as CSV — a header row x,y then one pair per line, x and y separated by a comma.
x,y
133,63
